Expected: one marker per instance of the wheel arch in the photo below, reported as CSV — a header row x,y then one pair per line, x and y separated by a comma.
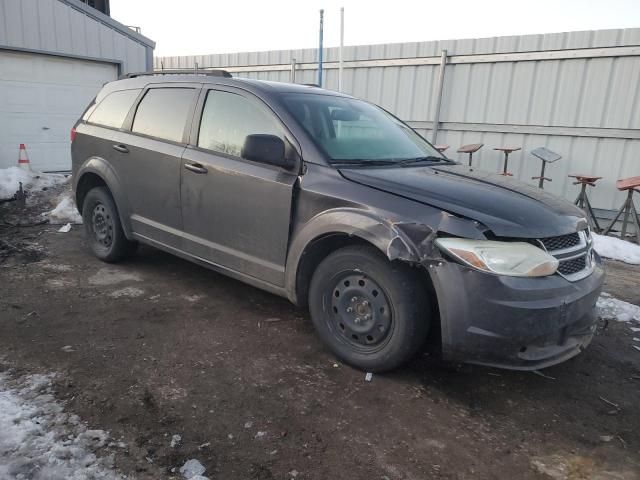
x,y
341,227
97,172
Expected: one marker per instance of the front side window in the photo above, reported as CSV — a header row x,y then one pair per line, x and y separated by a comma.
x,y
227,119
163,113
113,109
356,132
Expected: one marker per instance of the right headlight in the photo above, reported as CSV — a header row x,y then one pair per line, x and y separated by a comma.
x,y
516,259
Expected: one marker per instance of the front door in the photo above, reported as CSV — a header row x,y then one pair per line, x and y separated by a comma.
x,y
236,212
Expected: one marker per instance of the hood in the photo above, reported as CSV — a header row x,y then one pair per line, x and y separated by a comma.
x,y
509,208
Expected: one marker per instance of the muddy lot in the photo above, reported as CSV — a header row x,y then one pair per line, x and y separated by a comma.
x,y
157,346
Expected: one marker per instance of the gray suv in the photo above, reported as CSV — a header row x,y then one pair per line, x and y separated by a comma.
x,y
337,205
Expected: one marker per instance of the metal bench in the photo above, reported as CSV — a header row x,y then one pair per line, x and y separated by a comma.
x,y
470,149
507,151
582,200
547,156
441,148
630,185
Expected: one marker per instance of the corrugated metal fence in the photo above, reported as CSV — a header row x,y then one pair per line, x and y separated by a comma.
x,y
575,93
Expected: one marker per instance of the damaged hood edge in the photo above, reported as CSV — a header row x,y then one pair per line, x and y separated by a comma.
x,y
507,207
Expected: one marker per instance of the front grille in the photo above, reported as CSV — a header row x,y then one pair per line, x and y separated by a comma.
x,y
563,247
561,242
569,267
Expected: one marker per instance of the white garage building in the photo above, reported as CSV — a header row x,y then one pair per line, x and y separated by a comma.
x,y
54,57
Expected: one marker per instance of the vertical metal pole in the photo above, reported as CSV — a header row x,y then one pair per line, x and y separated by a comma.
x,y
541,182
340,50
195,69
320,48
436,119
292,78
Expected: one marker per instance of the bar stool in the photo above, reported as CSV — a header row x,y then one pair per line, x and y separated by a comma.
x,y
630,185
547,156
470,149
582,200
507,151
441,148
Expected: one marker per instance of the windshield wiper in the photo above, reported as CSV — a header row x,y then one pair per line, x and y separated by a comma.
x,y
362,161
430,158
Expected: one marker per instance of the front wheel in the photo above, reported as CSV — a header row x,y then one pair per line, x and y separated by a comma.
x,y
103,228
372,313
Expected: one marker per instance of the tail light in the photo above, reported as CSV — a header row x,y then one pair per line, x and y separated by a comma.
x,y
73,134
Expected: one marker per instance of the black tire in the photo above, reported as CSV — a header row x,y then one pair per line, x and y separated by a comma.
x,y
103,228
372,314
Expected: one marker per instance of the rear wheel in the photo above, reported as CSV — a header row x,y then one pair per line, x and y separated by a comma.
x,y
372,313
103,228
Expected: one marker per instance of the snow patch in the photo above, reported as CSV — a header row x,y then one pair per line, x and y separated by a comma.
x,y
11,177
65,211
59,283
55,267
616,249
176,440
39,440
192,469
193,298
614,309
131,292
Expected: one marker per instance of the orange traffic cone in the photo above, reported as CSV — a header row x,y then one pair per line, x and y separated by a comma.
x,y
23,158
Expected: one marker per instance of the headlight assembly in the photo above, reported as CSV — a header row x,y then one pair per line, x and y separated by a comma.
x,y
516,259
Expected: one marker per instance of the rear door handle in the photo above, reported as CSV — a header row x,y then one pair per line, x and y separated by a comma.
x,y
195,168
121,148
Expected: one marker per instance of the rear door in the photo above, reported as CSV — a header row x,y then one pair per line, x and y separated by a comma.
x,y
236,212
149,159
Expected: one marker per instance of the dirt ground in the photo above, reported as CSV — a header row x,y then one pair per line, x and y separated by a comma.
x,y
158,346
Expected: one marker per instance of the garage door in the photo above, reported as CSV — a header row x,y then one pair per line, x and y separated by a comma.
x,y
41,97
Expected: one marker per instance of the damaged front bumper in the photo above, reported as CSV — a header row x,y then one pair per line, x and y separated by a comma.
x,y
512,322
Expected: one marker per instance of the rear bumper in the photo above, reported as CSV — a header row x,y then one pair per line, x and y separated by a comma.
x,y
515,323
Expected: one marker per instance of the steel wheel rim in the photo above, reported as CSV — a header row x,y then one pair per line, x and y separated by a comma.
x,y
102,225
360,313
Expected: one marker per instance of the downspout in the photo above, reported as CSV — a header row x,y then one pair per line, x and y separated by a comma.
x,y
340,66
436,118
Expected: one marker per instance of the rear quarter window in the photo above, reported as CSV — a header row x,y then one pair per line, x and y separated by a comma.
x,y
113,109
163,113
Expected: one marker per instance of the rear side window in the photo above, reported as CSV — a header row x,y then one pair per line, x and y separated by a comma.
x,y
227,119
163,113
113,109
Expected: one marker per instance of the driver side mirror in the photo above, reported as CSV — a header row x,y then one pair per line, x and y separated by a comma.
x,y
269,149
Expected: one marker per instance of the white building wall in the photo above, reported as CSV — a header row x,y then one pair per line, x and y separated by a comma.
x,y
68,27
55,55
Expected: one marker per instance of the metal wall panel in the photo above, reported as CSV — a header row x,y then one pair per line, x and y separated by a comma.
x,y
68,28
555,100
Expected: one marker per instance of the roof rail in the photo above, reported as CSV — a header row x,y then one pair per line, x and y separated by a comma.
x,y
208,73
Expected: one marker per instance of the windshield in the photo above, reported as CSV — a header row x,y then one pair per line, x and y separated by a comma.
x,y
356,132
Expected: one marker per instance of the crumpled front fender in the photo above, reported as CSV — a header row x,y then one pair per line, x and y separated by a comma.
x,y
403,240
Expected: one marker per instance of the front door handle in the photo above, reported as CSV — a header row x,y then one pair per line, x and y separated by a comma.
x,y
195,168
121,148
